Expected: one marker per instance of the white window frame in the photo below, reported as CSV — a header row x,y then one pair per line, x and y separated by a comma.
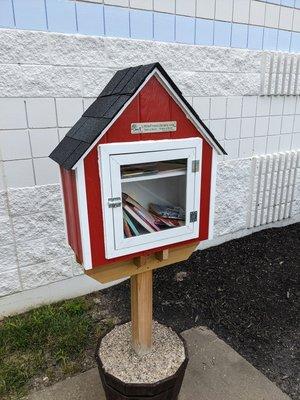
x,y
111,157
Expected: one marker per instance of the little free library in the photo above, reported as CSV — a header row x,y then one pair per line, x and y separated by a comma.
x,y
138,174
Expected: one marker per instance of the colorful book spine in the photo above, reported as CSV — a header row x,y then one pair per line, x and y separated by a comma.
x,y
151,219
127,231
140,220
130,224
146,218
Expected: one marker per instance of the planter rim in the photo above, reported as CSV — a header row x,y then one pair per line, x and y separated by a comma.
x,y
141,385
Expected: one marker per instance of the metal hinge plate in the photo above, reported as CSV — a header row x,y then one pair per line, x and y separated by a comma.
x,y
193,216
114,202
195,165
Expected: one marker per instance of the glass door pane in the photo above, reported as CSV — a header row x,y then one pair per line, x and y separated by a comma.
x,y
156,190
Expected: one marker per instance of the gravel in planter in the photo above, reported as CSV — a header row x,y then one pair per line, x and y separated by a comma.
x,y
120,360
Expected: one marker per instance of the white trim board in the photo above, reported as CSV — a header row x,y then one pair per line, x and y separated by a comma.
x,y
83,216
212,201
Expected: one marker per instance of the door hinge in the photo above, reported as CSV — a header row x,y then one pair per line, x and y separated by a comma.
x,y
193,216
195,165
114,202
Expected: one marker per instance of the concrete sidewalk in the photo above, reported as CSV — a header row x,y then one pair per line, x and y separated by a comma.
x,y
215,372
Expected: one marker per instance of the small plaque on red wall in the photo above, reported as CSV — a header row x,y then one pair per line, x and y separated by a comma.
x,y
153,127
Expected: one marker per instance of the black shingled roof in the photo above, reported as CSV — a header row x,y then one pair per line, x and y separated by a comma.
x,y
113,97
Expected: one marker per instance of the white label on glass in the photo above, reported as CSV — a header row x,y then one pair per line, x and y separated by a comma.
x,y
153,127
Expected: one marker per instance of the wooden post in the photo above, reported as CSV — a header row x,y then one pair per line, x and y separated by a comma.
x,y
141,312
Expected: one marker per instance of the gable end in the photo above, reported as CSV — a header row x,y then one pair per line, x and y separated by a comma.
x,y
114,97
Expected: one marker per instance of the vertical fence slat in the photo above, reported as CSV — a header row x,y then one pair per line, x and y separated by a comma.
x,y
252,181
290,75
272,187
292,156
283,74
270,74
276,187
258,190
282,186
297,76
278,68
274,162
294,183
266,174
263,75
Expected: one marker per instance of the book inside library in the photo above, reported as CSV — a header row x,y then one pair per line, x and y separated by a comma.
x,y
153,196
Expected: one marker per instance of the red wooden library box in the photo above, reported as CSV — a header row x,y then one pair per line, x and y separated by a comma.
x,y
138,173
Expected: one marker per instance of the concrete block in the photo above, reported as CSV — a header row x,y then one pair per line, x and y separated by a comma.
x,y
8,259
77,268
11,84
94,80
43,141
216,84
18,173
76,50
23,47
9,282
44,273
38,225
176,56
6,233
126,52
12,113
25,201
3,204
51,81
164,6
2,180
233,183
41,113
69,111
43,249
46,171
15,145
230,223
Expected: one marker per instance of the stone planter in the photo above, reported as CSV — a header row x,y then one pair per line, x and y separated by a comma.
x,y
165,389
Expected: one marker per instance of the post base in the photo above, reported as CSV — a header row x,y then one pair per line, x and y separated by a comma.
x,y
165,389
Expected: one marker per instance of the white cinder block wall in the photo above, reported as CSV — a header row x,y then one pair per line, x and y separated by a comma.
x,y
48,79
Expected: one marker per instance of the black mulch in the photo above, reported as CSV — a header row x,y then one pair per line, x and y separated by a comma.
x,y
244,290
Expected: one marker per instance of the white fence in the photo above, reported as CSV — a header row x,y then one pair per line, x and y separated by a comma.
x,y
280,74
272,191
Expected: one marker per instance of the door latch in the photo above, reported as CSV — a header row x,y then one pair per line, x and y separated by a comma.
x,y
114,202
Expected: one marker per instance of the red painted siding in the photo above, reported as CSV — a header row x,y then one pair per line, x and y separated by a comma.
x,y
153,103
71,210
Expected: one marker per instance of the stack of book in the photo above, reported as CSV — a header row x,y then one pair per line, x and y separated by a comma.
x,y
138,220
